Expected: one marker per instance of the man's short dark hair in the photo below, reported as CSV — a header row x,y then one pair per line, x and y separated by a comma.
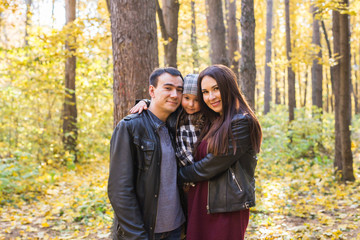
x,y
159,71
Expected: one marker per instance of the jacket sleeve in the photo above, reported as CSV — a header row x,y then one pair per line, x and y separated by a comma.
x,y
212,165
121,189
147,101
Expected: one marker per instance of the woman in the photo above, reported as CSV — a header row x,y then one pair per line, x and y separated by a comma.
x,y
218,205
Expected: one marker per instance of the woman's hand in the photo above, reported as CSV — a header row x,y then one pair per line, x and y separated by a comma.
x,y
139,107
187,186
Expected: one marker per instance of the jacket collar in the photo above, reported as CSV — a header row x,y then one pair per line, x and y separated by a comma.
x,y
156,122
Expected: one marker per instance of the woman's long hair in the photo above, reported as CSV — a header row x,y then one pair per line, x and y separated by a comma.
x,y
217,129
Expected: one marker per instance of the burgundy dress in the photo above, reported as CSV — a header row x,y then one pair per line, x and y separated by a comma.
x,y
216,226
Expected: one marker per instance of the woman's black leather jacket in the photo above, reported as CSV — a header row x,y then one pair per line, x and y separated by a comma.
x,y
230,176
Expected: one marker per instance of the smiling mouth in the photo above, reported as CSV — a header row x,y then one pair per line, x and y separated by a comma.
x,y
214,104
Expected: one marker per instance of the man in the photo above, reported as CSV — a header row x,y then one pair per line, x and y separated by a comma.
x,y
142,185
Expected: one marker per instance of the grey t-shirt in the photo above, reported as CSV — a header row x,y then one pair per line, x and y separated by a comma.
x,y
169,213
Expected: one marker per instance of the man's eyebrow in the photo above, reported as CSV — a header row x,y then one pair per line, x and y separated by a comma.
x,y
172,85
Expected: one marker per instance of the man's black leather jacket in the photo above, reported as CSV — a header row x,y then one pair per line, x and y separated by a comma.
x,y
134,177
231,176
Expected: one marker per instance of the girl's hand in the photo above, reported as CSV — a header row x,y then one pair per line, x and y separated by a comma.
x,y
139,107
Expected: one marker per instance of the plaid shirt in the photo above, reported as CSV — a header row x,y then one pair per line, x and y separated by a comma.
x,y
187,134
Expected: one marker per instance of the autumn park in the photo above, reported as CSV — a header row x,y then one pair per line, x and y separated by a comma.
x,y
72,69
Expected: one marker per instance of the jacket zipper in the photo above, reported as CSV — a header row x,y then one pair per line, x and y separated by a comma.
x,y
157,194
234,178
207,205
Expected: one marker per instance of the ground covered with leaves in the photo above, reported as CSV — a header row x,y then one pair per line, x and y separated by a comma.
x,y
298,195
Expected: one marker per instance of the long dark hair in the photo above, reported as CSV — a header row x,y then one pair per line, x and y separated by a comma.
x,y
217,129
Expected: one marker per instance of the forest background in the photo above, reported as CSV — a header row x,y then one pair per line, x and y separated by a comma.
x,y
59,103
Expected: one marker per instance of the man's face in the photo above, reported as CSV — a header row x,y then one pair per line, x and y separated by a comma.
x,y
166,97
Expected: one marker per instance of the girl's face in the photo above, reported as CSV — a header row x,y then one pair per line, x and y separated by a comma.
x,y
211,94
190,103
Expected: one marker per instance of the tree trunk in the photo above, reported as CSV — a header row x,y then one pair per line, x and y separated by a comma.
x,y
267,80
327,105
316,70
277,83
216,30
305,88
291,74
194,45
70,112
284,83
344,95
27,20
336,83
247,62
233,39
277,90
329,97
298,76
108,5
355,86
168,19
357,80
356,96
134,41
52,13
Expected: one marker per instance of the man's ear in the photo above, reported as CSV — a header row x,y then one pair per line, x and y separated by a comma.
x,y
152,91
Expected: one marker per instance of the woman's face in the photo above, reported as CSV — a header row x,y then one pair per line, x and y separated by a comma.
x,y
211,94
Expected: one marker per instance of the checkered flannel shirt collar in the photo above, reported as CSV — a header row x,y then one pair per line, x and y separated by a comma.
x,y
187,135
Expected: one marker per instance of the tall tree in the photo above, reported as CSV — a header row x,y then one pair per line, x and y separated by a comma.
x,y
70,111
216,30
316,70
134,42
108,5
344,97
335,71
267,80
27,20
232,36
247,62
329,98
291,74
355,84
194,44
52,13
168,20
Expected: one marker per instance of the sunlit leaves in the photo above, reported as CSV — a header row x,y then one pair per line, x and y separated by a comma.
x,y
298,195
